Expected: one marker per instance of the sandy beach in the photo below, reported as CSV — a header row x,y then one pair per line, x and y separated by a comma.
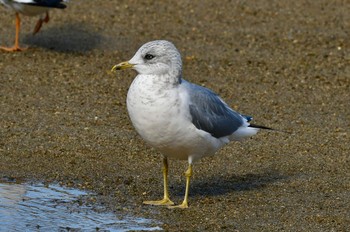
x,y
286,63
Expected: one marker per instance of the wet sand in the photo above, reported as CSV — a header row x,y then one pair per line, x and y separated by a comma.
x,y
287,63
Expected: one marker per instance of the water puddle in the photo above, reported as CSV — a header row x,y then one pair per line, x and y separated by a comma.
x,y
25,207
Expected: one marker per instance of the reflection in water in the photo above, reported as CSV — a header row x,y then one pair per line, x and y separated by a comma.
x,y
38,208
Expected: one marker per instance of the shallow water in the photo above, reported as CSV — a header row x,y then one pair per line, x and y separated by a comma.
x,y
25,207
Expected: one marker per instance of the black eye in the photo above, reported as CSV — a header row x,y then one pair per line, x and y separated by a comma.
x,y
149,56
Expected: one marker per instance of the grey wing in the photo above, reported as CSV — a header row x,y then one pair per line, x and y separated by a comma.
x,y
210,113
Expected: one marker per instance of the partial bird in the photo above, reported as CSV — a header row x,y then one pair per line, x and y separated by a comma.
x,y
30,8
182,120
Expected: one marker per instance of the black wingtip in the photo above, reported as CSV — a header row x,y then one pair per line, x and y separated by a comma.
x,y
268,128
49,4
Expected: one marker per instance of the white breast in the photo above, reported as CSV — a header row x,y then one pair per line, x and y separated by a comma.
x,y
161,117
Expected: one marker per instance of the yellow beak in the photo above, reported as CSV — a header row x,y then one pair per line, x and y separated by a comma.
x,y
121,66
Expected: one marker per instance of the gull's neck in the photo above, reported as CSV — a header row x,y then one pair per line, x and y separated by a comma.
x,y
165,80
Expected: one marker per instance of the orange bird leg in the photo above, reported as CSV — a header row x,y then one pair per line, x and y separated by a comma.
x,y
47,17
40,23
16,46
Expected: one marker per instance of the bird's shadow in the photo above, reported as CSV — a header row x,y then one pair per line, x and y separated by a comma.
x,y
219,185
66,38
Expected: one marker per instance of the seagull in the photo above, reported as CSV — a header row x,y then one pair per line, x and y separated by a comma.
x,y
30,8
182,120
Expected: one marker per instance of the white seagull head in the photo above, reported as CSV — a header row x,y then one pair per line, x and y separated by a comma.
x,y
159,57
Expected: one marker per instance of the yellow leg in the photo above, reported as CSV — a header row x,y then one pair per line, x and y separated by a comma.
x,y
165,200
188,175
16,46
